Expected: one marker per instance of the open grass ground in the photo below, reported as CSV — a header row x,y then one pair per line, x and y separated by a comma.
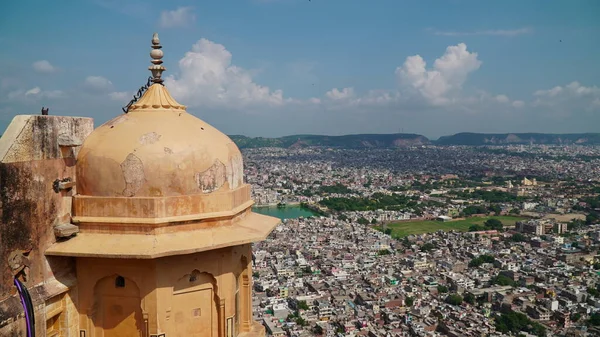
x,y
402,229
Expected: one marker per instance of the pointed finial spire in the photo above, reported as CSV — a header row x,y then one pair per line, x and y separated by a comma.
x,y
156,54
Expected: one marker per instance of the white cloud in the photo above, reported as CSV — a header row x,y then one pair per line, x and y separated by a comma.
x,y
98,83
573,95
447,76
43,66
180,17
347,97
550,92
120,96
336,94
502,98
35,93
431,98
518,104
489,32
207,78
573,89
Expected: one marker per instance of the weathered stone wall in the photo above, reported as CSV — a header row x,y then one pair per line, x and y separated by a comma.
x,y
35,151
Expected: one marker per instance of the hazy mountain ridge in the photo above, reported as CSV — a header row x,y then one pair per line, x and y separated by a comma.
x,y
402,140
468,138
346,141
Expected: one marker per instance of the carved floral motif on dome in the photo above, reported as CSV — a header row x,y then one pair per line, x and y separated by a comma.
x,y
213,178
133,172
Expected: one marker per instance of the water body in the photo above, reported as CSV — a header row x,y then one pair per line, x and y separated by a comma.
x,y
287,212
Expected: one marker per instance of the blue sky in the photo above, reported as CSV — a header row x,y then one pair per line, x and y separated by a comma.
x,y
277,67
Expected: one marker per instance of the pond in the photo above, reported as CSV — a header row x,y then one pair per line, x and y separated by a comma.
x,y
287,212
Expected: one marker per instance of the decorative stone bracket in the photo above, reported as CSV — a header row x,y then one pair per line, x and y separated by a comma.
x,y
65,230
62,184
18,261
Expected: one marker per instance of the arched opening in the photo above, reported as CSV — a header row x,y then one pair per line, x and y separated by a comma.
x,y
118,310
195,305
120,282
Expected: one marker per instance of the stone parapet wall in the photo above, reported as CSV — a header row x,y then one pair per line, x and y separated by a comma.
x,y
35,152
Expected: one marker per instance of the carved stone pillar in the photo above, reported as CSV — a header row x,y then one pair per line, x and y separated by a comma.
x,y
246,300
222,319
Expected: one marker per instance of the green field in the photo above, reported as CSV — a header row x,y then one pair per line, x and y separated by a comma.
x,y
402,229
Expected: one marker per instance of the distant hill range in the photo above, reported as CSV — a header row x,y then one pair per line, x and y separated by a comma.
x,y
402,140
348,141
466,138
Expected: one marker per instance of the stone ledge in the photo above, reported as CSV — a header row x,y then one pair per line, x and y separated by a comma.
x,y
250,227
156,210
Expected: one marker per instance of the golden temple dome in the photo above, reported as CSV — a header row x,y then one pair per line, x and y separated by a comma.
x,y
157,149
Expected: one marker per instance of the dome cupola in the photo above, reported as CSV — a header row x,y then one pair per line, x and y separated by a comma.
x,y
157,149
158,181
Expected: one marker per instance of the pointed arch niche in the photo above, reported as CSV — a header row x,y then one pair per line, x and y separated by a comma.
x,y
117,308
195,306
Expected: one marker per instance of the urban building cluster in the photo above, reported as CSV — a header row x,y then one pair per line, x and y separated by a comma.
x,y
344,272
325,276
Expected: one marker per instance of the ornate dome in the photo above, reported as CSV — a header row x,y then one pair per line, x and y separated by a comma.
x,y
157,149
159,182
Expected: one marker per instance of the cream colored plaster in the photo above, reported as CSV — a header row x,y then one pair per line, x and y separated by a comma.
x,y
255,227
157,149
163,284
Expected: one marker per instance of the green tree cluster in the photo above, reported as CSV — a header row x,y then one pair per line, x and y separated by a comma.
x,y
474,209
518,237
502,280
454,299
490,224
302,305
478,261
515,211
374,202
469,298
427,247
515,322
337,188
594,319
494,196
575,224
